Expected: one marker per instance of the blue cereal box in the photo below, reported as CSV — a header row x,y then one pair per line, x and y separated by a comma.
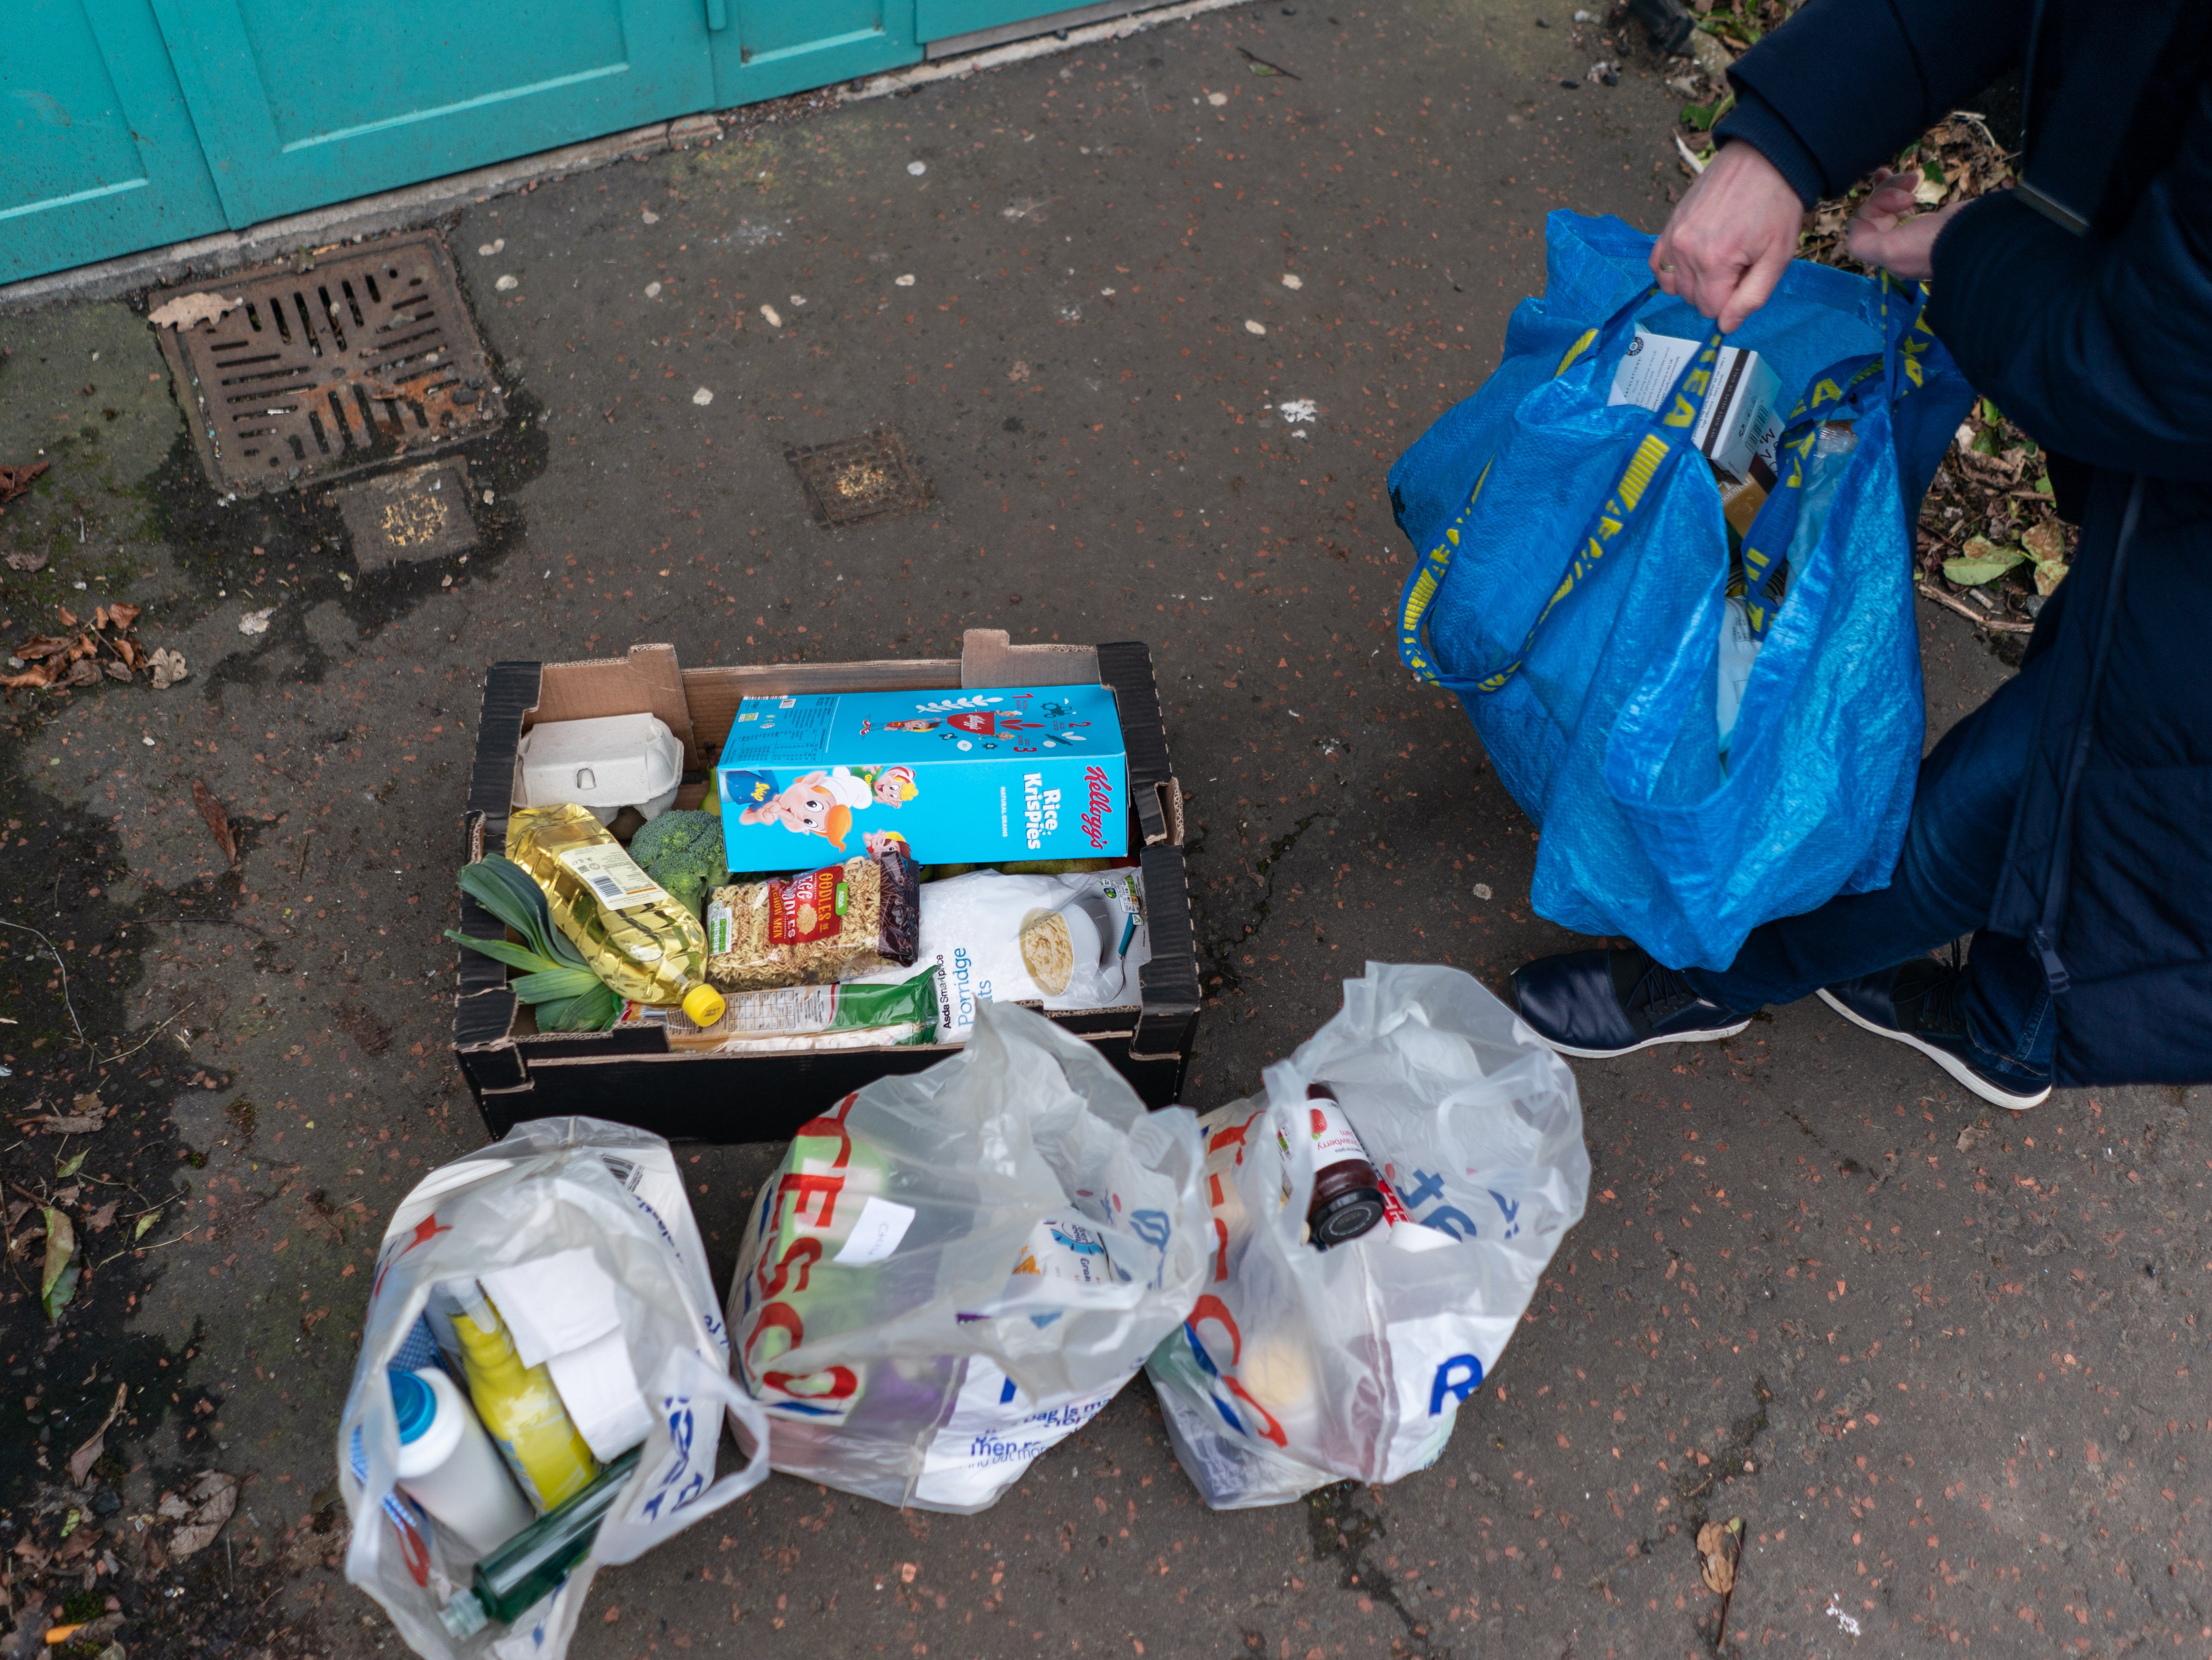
x,y
963,776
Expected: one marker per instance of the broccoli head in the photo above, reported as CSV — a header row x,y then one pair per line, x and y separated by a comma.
x,y
683,852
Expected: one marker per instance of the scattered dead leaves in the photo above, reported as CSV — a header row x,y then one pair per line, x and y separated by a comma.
x,y
91,651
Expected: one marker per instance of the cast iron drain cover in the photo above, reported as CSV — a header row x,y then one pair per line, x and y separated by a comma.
x,y
857,479
369,355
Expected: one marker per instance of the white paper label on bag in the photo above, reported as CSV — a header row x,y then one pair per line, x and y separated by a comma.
x,y
995,1429
882,1224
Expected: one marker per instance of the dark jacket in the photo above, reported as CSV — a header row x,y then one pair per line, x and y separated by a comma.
x,y
2082,302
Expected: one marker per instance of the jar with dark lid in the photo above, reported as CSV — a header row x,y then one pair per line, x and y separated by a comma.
x,y
1347,1194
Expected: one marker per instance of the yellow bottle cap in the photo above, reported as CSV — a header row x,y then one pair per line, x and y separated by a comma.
x,y
704,1005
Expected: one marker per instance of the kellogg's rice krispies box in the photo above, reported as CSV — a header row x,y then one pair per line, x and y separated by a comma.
x,y
965,777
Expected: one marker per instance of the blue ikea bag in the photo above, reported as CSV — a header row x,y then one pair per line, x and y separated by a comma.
x,y
1570,579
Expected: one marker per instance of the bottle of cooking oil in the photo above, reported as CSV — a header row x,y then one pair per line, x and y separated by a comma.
x,y
637,937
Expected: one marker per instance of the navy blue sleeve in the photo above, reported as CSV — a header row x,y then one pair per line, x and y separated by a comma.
x,y
1845,84
1755,122
2099,348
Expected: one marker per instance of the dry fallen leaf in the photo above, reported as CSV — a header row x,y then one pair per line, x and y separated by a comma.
x,y
123,616
218,821
53,1125
190,310
1970,1138
28,562
215,1495
13,480
115,671
83,672
173,1508
83,1460
168,667
1716,1545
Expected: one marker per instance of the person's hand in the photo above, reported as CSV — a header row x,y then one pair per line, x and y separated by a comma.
x,y
1731,237
1886,231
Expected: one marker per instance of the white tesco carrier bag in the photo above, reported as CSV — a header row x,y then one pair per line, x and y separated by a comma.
x,y
1298,1367
955,1269
551,1186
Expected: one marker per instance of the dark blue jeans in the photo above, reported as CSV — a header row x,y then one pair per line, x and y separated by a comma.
x,y
1962,813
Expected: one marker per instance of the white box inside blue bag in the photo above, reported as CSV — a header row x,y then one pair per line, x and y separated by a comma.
x,y
982,776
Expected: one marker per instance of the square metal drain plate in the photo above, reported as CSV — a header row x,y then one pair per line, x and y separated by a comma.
x,y
421,513
369,355
857,479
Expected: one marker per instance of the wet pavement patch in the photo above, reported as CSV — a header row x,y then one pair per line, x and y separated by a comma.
x,y
856,478
314,372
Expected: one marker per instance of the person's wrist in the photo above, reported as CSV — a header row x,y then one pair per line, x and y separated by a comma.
x,y
1758,126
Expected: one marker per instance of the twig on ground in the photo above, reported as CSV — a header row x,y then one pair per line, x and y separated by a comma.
x,y
126,1054
27,928
1995,624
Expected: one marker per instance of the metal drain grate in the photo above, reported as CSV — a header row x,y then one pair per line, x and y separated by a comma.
x,y
369,355
857,479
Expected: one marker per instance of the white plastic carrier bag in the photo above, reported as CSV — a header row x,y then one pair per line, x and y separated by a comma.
x,y
554,1186
954,1269
1300,1367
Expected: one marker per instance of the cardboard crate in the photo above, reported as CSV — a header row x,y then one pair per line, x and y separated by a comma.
x,y
631,1075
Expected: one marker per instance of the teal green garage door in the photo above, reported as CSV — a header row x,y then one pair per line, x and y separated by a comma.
x,y
301,108
766,48
941,20
97,154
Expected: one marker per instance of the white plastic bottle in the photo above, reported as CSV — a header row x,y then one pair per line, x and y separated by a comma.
x,y
448,1465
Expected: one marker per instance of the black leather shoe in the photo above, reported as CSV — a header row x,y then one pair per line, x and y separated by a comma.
x,y
1596,1004
1917,1004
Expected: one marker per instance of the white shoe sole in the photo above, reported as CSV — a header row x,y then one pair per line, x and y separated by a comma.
x,y
1950,1063
1711,1037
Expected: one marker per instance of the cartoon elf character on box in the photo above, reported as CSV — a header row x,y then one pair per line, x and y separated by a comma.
x,y
890,787
819,803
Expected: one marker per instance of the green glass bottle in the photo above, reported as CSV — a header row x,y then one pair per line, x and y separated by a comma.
x,y
507,1583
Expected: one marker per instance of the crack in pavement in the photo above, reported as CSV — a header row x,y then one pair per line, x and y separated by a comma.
x,y
1338,1523
1219,970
